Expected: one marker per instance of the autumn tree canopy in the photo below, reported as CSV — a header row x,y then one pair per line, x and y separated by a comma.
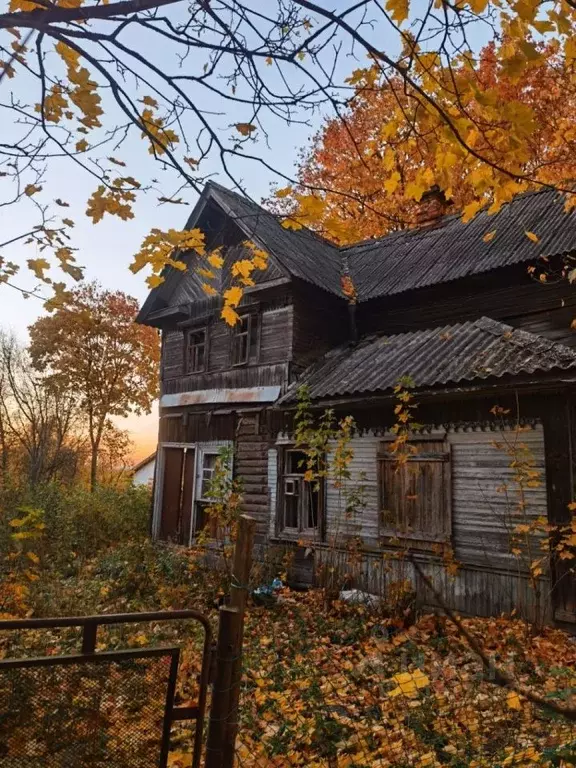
x,y
201,84
93,348
376,167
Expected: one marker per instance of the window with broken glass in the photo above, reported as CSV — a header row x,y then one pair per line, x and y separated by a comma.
x,y
196,351
301,496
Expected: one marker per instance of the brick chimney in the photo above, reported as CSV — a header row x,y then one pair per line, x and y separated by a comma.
x,y
432,207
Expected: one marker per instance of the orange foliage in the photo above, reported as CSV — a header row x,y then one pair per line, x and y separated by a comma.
x,y
362,177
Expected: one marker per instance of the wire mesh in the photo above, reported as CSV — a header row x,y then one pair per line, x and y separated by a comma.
x,y
109,712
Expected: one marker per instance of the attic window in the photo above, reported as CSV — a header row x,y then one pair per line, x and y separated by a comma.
x,y
196,351
245,340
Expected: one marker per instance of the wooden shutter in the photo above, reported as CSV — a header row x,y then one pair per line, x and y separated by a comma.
x,y
415,494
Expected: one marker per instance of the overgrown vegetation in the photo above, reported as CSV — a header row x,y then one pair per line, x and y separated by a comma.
x,y
343,685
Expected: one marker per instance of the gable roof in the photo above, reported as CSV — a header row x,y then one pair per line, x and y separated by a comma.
x,y
397,262
143,462
415,258
464,352
302,253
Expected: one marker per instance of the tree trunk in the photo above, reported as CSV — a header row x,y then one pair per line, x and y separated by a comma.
x,y
93,467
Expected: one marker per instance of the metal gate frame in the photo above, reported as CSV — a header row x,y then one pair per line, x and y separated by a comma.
x,y
88,654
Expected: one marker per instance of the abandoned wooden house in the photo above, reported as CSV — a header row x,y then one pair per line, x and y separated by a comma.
x,y
488,347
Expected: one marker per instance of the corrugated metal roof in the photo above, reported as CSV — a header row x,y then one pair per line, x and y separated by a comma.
x,y
302,253
397,262
416,258
454,353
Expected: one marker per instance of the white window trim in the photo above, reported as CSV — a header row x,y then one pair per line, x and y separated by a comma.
x,y
199,449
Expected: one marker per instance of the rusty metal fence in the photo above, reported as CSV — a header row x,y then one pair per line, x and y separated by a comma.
x,y
97,709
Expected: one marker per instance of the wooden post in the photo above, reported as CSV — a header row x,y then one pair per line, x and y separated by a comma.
x,y
229,639
241,567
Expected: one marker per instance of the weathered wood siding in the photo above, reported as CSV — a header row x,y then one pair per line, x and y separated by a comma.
x,y
275,353
251,465
320,322
509,295
484,500
188,425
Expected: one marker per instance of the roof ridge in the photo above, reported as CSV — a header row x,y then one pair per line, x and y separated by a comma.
x,y
416,230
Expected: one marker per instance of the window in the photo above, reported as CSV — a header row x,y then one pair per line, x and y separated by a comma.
x,y
207,473
196,351
245,341
415,494
300,501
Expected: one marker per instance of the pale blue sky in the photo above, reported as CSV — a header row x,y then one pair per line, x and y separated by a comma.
x,y
105,250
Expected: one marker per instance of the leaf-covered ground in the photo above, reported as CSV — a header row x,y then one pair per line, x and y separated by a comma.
x,y
336,687
347,688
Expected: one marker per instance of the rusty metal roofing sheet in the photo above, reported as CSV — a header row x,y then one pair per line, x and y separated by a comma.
x,y
211,396
448,355
416,258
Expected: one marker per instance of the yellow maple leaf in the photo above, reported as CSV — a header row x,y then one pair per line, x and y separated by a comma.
x,y
532,236
215,260
233,295
82,145
489,236
38,266
242,268
209,289
391,183
408,683
31,189
513,700
283,192
470,210
245,129
398,9
291,224
149,101
154,281
229,315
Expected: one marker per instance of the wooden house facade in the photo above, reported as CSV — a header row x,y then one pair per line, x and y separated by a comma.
x,y
492,358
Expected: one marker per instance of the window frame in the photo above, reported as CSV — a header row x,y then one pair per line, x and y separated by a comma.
x,y
203,469
444,458
252,356
300,531
187,335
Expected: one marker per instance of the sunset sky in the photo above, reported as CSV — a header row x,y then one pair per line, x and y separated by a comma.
x,y
106,249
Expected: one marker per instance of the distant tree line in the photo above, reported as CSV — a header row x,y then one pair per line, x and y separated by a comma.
x,y
86,363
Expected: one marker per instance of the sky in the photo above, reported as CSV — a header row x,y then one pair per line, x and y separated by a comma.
x,y
106,249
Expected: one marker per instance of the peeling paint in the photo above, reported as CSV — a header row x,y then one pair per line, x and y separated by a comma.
x,y
206,396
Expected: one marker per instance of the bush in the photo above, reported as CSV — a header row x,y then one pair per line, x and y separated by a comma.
x,y
48,533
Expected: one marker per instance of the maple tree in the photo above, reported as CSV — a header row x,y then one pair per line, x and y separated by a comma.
x,y
93,348
375,165
85,83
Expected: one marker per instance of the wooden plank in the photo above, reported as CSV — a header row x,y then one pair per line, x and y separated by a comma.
x,y
171,493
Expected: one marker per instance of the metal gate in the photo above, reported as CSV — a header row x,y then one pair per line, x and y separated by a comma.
x,y
97,709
